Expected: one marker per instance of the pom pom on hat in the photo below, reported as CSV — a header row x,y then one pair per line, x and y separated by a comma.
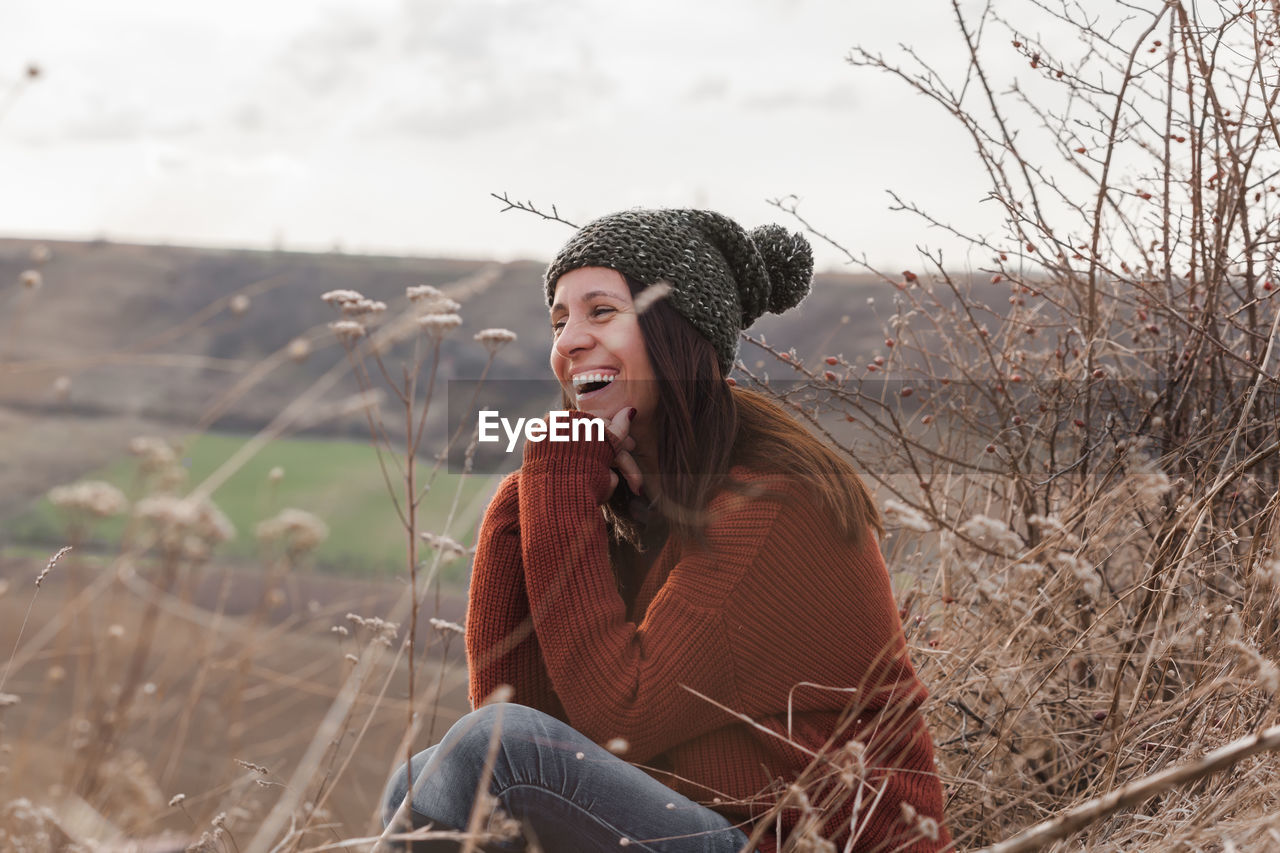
x,y
788,259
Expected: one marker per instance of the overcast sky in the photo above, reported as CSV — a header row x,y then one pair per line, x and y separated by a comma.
x,y
384,125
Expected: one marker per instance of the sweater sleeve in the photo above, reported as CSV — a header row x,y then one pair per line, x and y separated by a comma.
x,y
617,678
501,645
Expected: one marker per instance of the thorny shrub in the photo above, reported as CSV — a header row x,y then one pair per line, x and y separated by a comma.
x,y
1076,444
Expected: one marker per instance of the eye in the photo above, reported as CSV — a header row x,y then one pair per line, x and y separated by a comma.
x,y
600,310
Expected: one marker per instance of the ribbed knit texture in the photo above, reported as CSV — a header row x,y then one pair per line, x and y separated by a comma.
x,y
723,278
777,599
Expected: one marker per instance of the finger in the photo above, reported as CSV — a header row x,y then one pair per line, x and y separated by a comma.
x,y
627,465
613,481
620,423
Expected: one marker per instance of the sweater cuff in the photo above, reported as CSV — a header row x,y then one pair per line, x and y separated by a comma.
x,y
574,452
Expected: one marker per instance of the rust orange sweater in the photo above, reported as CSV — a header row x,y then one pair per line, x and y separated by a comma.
x,y
778,620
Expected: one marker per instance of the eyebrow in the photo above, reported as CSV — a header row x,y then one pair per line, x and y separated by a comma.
x,y
559,306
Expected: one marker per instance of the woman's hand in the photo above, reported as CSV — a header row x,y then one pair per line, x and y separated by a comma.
x,y
619,427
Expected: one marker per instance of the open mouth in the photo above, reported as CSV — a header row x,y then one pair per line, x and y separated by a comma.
x,y
589,383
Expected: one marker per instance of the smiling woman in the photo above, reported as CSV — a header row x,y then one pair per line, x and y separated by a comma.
x,y
684,637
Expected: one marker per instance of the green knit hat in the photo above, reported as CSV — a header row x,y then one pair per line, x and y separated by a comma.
x,y
722,277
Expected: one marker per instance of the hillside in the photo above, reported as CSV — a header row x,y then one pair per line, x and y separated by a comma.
x,y
119,340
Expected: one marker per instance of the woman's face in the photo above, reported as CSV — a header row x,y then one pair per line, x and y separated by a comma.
x,y
598,353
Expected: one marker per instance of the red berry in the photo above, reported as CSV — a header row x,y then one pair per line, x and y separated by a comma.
x,y
784,356
908,275
907,392
879,359
872,368
1099,715
888,342
831,359
1017,377
1145,196
1266,285
1079,423
991,448
1099,373
1017,420
926,420
1080,150
997,278
829,376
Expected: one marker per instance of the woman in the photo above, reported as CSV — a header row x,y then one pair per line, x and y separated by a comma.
x,y
702,592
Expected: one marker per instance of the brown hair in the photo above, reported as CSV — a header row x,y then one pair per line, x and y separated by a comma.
x,y
704,427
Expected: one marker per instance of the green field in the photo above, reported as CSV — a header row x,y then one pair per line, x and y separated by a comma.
x,y
339,481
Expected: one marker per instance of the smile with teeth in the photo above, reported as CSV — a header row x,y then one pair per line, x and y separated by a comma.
x,y
588,383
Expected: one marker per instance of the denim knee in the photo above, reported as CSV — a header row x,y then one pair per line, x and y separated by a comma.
x,y
455,764
398,785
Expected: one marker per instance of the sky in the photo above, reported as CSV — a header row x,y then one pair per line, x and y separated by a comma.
x,y
384,125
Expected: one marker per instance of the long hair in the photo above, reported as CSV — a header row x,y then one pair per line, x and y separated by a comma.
x,y
703,427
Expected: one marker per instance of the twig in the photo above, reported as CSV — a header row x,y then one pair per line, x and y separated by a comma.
x,y
528,207
1075,819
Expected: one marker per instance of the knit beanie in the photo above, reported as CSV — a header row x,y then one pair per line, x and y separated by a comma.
x,y
722,277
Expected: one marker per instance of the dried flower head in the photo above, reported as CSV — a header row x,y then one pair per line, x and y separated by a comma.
x,y
91,497
993,532
449,549
297,530
239,304
299,349
439,305
362,307
495,339
898,514
347,330
338,298
439,325
155,453
420,292
446,627
188,527
177,799
382,630
31,279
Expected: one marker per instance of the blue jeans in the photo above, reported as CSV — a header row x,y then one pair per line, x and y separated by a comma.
x,y
566,792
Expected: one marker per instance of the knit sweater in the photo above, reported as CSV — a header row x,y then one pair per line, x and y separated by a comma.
x,y
740,668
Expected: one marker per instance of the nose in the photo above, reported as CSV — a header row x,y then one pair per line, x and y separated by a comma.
x,y
575,337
